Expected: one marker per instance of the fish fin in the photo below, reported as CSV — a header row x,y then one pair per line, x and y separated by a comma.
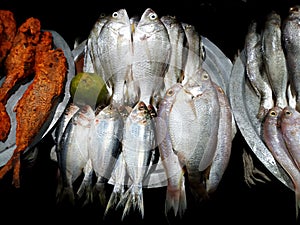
x,y
176,198
134,200
101,190
66,196
114,199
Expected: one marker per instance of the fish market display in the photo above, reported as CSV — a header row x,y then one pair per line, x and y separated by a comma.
x,y
265,100
36,69
162,77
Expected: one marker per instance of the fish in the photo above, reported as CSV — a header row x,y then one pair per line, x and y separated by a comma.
x,y
255,70
290,128
151,56
196,107
195,51
274,58
114,48
178,57
224,142
273,138
176,195
105,140
92,63
137,149
73,154
291,40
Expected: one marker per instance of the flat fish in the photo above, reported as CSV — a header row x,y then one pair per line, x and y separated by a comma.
x,y
274,58
175,196
73,154
291,43
273,138
255,70
290,127
137,149
151,56
115,52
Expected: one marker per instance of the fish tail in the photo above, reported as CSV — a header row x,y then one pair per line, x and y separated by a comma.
x,y
176,198
100,188
134,200
113,200
66,195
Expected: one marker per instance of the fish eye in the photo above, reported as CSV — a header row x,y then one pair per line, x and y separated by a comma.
x,y
115,15
152,16
273,113
205,76
170,92
288,113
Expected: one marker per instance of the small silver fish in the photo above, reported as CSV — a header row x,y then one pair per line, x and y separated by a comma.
x,y
255,70
138,145
115,51
274,58
291,42
178,52
195,51
73,154
151,56
176,196
105,140
224,142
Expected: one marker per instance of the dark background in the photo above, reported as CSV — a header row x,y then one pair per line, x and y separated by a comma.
x,y
224,23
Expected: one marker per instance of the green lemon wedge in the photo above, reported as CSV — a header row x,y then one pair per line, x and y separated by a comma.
x,y
88,88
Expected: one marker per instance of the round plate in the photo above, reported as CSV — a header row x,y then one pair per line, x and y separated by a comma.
x,y
7,147
245,105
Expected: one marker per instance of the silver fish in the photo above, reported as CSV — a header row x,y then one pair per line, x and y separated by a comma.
x,y
255,70
195,51
224,142
92,62
175,196
105,139
138,146
291,42
274,58
178,52
151,56
73,155
196,107
290,127
115,51
273,138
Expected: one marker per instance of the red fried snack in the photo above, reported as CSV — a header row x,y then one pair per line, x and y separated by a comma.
x,y
34,108
8,29
19,64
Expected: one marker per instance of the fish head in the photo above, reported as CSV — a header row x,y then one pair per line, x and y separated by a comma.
x,y
273,116
149,24
119,23
288,114
199,83
140,112
85,116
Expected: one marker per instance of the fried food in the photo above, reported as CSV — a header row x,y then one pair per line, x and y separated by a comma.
x,y
34,107
18,65
8,30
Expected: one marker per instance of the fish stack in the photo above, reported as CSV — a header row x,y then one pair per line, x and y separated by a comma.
x,y
273,69
165,113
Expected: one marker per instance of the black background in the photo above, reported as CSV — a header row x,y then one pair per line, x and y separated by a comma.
x,y
224,23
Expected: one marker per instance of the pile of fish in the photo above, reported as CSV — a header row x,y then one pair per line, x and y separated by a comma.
x,y
273,69
166,123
